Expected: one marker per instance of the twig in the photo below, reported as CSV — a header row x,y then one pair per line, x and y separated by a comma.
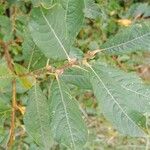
x,y
7,55
12,126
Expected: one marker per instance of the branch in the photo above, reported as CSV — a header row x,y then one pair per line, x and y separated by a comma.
x,y
12,126
7,55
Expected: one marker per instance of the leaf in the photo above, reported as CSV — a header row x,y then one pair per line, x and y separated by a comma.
x,y
138,94
27,81
4,108
136,37
37,118
67,124
139,118
74,17
92,10
5,28
49,32
44,3
76,53
33,57
138,10
5,76
5,111
114,100
62,2
78,77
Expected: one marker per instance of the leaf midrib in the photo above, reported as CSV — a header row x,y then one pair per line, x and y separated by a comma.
x,y
124,43
66,113
55,35
38,114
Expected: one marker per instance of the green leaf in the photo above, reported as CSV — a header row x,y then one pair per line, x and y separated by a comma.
x,y
76,53
5,111
37,118
6,77
5,28
116,101
49,32
62,2
33,57
74,17
27,81
136,37
67,124
138,9
92,10
44,3
139,118
137,93
4,108
78,77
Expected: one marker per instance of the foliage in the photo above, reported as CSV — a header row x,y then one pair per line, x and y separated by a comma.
x,y
46,57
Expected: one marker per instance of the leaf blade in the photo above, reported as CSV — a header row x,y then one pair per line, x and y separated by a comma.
x,y
44,3
132,85
91,9
109,96
74,17
38,109
48,30
6,77
78,77
136,37
67,124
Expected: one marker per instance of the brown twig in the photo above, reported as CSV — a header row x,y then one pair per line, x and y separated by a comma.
x,y
7,55
12,126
